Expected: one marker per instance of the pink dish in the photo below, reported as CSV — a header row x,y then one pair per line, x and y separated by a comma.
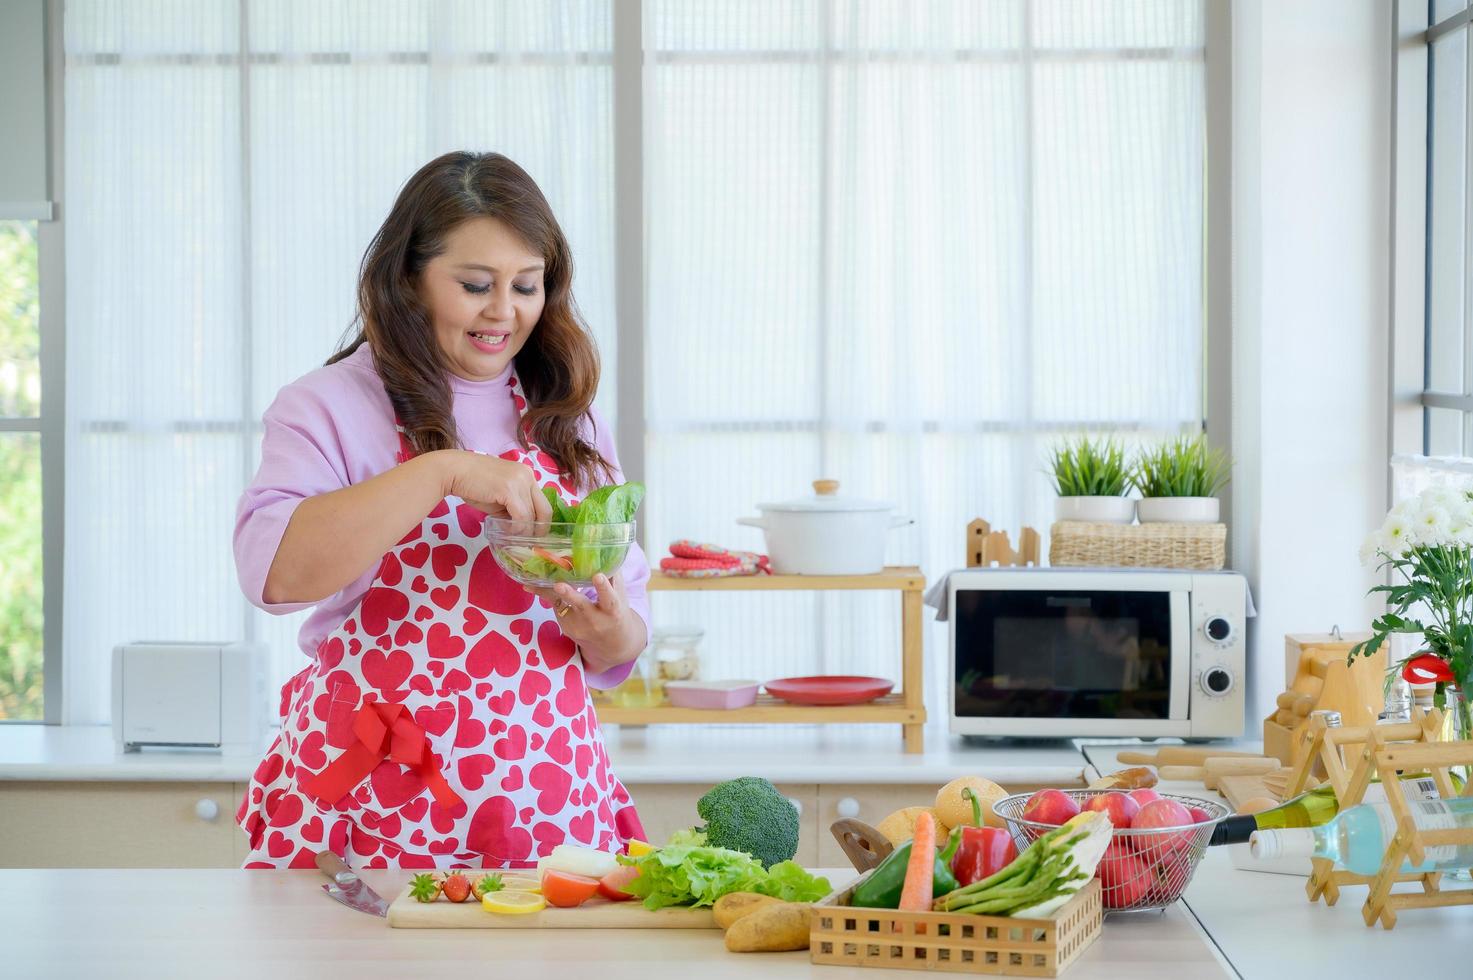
x,y
713,695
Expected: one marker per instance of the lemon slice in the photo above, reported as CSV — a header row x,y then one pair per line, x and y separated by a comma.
x,y
513,903
520,883
638,848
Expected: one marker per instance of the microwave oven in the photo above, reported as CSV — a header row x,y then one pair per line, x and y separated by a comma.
x,y
1059,653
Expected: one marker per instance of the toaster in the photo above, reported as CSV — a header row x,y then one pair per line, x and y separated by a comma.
x,y
211,695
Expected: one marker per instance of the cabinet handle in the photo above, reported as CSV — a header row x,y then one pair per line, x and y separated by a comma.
x,y
848,808
797,805
207,809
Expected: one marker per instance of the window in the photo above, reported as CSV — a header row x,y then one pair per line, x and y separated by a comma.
x,y
904,245
20,475
1448,384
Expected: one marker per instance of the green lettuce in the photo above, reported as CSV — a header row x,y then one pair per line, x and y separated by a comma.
x,y
689,872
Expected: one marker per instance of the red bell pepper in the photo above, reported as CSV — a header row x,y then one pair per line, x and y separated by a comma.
x,y
984,851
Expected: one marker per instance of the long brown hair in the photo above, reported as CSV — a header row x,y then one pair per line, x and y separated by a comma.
x,y
558,366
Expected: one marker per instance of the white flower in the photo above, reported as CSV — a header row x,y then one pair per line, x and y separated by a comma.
x,y
1406,508
1432,525
1370,549
1396,536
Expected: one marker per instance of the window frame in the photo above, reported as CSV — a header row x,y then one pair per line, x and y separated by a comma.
x,y
1413,399
50,424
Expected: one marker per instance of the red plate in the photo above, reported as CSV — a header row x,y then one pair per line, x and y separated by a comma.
x,y
834,689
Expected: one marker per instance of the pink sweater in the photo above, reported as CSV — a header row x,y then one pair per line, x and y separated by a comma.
x,y
335,427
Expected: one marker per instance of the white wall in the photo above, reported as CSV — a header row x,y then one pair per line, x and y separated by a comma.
x,y
1311,117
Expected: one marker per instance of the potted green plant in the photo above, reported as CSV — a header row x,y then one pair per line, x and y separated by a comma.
x,y
1179,480
1092,479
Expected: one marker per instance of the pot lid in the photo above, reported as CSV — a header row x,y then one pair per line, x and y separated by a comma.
x,y
826,499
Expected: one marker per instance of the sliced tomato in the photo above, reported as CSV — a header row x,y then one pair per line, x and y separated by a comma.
x,y
612,885
567,890
562,561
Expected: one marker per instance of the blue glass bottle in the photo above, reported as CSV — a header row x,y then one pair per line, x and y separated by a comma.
x,y
1356,840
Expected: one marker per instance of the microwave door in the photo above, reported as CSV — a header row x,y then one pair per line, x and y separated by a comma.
x,y
1093,657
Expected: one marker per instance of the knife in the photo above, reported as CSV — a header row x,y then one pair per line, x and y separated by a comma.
x,y
346,887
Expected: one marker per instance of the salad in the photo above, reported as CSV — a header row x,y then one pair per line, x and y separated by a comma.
x,y
582,541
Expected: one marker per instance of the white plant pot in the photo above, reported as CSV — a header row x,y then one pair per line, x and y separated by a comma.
x,y
1178,510
1096,510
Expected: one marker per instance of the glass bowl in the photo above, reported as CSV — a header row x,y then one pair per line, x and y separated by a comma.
x,y
542,554
1143,869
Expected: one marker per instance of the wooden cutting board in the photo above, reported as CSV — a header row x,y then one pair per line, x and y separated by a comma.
x,y
596,913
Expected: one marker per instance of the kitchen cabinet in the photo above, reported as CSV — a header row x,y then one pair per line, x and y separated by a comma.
x,y
120,825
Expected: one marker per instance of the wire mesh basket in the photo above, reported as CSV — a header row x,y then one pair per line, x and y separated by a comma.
x,y
1143,868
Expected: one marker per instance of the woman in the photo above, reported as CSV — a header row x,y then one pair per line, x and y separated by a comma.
x,y
444,719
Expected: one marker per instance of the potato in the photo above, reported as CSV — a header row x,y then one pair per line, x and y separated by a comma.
x,y
955,810
737,905
771,929
900,826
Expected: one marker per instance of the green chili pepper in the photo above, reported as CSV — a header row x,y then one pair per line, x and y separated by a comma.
x,y
881,890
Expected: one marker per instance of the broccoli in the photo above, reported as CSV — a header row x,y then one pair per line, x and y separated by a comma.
x,y
750,815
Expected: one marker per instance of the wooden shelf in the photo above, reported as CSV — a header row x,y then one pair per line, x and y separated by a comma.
x,y
903,578
768,710
906,708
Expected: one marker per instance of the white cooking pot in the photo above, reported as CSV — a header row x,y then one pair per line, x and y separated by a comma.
x,y
826,534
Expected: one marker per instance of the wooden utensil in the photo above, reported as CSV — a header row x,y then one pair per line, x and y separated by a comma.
x,y
865,846
1180,755
1213,769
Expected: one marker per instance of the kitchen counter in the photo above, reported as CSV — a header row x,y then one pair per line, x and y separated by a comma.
x,y
657,755
157,923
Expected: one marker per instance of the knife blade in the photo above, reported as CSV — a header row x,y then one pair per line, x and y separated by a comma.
x,y
346,887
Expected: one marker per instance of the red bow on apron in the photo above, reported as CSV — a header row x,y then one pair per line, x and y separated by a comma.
x,y
384,731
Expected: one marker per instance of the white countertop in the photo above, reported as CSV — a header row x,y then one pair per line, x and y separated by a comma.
x,y
660,754
225,923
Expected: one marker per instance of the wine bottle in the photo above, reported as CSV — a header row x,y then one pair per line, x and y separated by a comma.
x,y
1356,839
1313,808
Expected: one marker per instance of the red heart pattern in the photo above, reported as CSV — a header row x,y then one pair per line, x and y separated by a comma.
x,y
507,707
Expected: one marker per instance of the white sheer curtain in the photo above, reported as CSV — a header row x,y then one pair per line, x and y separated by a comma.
x,y
226,165
902,244
907,246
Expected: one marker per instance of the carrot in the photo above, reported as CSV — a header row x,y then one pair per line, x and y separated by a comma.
x,y
561,561
915,895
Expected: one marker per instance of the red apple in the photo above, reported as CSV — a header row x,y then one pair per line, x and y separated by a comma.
x,y
1162,847
1050,806
1125,878
1199,815
1121,809
1144,796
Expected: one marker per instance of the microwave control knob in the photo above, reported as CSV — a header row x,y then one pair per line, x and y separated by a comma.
x,y
207,809
797,805
848,808
1217,681
1219,629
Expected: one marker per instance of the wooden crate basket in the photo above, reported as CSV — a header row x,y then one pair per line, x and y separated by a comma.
x,y
1166,545
842,935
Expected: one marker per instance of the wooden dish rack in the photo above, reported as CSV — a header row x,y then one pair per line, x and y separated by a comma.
x,y
905,707
1350,755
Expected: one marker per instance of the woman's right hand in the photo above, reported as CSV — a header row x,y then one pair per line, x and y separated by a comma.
x,y
498,487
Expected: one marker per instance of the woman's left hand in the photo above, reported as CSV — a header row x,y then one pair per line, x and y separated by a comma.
x,y
606,630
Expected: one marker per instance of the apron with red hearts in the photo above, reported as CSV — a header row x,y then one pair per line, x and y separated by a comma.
x,y
445,723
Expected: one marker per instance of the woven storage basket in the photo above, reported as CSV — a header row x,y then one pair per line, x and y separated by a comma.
x,y
1082,543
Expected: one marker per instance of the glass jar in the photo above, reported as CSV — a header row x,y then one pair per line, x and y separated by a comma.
x,y
643,688
677,654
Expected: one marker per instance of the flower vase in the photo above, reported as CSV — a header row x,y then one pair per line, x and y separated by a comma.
x,y
1458,726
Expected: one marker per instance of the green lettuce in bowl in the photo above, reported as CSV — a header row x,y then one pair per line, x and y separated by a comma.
x,y
582,540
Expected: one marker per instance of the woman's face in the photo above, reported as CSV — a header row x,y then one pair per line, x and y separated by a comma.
x,y
484,293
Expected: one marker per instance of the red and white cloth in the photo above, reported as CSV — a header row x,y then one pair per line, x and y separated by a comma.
x,y
691,559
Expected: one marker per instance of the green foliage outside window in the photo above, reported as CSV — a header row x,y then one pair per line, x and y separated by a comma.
x,y
20,476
